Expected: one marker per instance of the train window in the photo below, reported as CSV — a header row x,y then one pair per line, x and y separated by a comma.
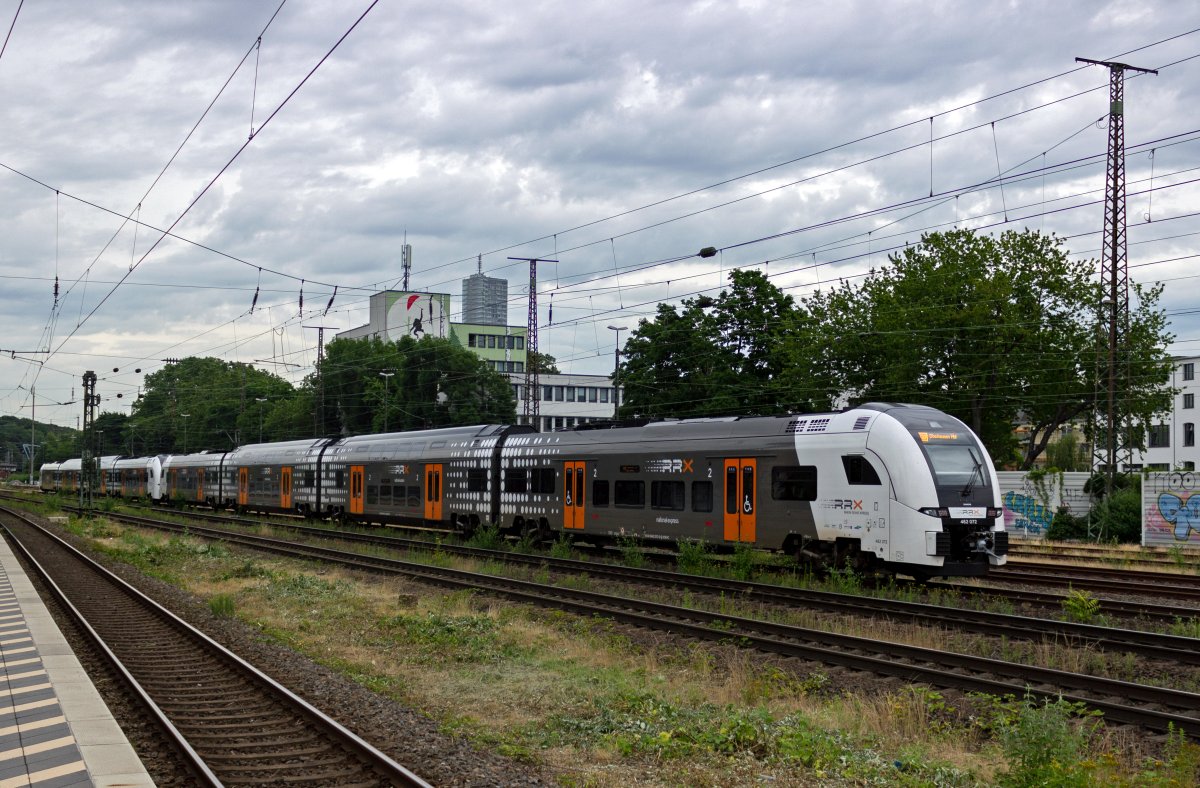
x,y
541,480
310,479
628,492
339,479
372,494
731,496
666,495
794,483
859,470
702,496
385,493
599,492
414,495
514,480
476,479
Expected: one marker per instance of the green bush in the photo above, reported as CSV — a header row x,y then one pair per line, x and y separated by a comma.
x,y
1067,526
1118,518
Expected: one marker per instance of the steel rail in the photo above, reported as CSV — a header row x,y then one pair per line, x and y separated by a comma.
x,y
394,772
938,668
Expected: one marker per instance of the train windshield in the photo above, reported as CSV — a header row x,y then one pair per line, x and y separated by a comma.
x,y
956,465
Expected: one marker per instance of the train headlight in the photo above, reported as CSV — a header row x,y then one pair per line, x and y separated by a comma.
x,y
993,512
933,511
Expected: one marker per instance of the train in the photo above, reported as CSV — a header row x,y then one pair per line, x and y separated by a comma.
x,y
880,487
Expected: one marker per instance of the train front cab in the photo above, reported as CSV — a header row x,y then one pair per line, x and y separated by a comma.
x,y
946,517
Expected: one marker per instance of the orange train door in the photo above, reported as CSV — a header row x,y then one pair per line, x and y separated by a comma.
x,y
199,484
741,503
574,480
174,481
356,489
433,492
243,486
285,488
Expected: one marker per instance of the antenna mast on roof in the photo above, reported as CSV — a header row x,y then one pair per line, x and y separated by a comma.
x,y
406,260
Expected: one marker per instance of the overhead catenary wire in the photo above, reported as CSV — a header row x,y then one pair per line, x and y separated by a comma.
x,y
617,274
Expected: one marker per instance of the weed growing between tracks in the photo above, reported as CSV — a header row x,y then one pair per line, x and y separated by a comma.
x,y
596,703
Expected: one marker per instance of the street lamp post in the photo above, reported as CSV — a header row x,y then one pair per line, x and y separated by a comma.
x,y
185,417
385,376
260,401
616,371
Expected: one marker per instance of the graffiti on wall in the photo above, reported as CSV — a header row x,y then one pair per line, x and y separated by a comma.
x,y
1029,506
1024,513
1184,515
1171,509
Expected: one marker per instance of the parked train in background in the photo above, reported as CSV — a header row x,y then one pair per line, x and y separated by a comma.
x,y
880,487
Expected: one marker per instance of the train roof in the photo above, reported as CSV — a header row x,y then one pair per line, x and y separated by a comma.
x,y
135,462
288,451
202,459
412,445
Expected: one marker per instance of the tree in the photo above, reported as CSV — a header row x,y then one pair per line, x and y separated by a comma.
x,y
112,434
201,403
431,382
992,330
712,356
542,363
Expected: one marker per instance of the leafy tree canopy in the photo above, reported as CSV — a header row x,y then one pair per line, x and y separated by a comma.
x,y
370,385
202,403
993,330
712,356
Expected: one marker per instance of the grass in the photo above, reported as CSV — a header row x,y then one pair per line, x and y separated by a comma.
x,y
596,704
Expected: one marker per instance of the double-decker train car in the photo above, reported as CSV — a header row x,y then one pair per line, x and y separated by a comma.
x,y
879,487
895,487
272,477
192,478
138,477
48,476
444,477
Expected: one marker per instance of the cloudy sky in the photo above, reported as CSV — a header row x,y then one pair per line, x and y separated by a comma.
x,y
612,136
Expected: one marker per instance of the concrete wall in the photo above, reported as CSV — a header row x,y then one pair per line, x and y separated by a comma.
x,y
1171,510
1029,510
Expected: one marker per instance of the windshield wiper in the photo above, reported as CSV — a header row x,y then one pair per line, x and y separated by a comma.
x,y
978,472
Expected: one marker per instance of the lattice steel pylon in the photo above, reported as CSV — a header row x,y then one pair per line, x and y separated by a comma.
x,y
1113,313
531,403
87,463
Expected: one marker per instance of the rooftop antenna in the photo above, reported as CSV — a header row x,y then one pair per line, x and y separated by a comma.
x,y
406,260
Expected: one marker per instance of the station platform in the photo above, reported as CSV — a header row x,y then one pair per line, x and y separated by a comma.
x,y
55,730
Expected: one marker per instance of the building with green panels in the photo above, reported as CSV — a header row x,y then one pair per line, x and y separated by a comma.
x,y
504,348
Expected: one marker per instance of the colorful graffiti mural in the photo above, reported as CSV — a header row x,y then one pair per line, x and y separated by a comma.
x,y
1029,507
1024,513
1171,509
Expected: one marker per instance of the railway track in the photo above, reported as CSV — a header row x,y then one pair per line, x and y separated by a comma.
x,y
1142,557
1164,585
232,724
1149,644
1153,708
